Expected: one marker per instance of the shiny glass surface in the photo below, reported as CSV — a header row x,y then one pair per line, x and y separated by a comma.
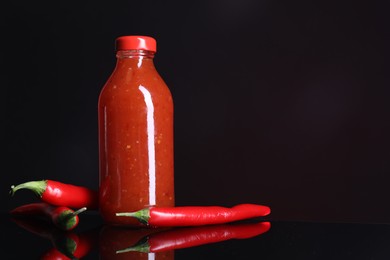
x,y
283,240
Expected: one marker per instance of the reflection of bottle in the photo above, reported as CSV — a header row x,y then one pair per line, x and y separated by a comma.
x,y
113,239
135,134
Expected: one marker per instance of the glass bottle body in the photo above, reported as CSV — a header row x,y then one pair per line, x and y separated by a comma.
x,y
135,113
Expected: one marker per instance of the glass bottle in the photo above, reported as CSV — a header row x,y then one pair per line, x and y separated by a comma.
x,y
135,114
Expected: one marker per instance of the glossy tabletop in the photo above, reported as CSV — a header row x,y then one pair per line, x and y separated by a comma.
x,y
274,240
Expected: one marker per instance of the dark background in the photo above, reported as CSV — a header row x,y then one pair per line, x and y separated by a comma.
x,y
283,103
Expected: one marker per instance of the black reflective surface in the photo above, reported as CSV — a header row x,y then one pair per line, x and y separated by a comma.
x,y
284,240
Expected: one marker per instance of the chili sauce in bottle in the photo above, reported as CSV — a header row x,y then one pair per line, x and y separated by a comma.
x,y
135,117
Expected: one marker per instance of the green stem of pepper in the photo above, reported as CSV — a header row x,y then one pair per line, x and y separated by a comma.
x,y
142,215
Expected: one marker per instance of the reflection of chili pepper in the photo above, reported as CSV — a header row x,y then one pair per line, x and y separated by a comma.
x,y
196,236
196,216
54,254
76,248
63,217
112,239
64,242
67,245
61,194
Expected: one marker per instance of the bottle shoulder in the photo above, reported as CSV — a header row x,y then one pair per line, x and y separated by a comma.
x,y
132,84
133,79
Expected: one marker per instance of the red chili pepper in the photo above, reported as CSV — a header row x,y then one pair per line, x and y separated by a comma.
x,y
62,217
61,194
196,236
196,215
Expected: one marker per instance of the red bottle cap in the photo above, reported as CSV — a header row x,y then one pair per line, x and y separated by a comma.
x,y
135,42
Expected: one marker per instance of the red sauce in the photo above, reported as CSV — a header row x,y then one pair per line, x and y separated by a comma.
x,y
135,137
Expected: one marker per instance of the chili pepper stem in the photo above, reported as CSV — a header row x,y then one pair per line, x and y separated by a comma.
x,y
77,212
142,215
141,246
38,187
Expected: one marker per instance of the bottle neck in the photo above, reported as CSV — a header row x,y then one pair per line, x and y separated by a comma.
x,y
135,58
128,54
